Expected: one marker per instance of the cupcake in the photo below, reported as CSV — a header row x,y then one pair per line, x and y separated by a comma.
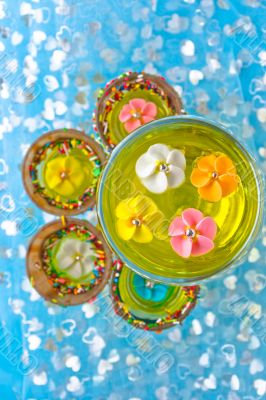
x,y
61,170
68,262
131,100
149,305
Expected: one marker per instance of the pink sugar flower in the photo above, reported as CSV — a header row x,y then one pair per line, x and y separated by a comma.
x,y
136,113
192,233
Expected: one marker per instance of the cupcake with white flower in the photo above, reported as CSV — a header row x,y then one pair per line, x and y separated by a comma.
x,y
70,263
161,168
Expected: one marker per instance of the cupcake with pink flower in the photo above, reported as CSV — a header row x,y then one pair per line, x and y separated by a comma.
x,y
130,101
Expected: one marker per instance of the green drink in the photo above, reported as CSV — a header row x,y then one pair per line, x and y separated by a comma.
x,y
180,200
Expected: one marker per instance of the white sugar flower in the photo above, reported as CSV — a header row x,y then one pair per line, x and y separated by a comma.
x,y
75,257
160,168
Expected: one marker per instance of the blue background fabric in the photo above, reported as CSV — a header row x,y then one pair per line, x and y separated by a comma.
x,y
55,55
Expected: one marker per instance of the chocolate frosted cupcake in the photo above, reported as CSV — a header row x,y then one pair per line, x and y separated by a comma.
x,y
68,262
149,305
131,100
61,170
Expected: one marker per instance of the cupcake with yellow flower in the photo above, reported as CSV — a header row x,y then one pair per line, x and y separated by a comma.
x,y
61,171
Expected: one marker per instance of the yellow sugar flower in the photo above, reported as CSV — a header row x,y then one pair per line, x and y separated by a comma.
x,y
64,175
135,216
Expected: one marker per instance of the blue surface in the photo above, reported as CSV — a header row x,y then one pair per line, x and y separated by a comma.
x,y
55,55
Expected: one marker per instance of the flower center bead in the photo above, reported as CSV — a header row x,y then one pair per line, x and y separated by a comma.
x,y
78,257
191,233
63,175
136,114
136,222
149,284
214,175
163,167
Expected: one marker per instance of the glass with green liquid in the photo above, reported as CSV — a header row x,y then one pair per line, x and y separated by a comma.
x,y
236,213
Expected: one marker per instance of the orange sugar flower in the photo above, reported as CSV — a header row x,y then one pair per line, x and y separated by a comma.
x,y
215,177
